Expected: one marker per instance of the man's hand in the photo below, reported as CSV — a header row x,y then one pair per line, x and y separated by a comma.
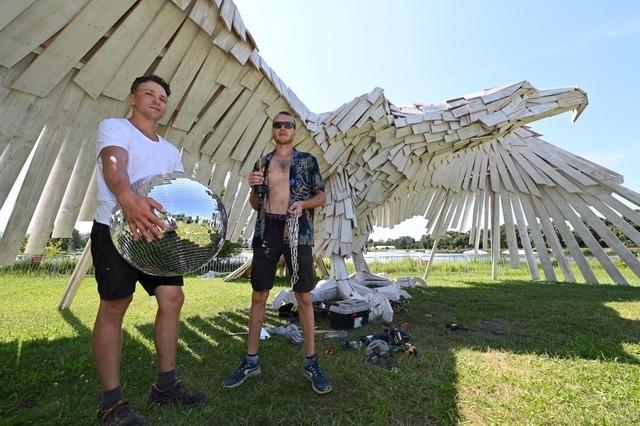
x,y
256,178
138,211
295,209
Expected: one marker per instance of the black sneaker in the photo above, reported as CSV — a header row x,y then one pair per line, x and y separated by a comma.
x,y
119,414
177,393
240,374
319,381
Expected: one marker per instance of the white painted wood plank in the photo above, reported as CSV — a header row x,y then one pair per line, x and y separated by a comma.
x,y
146,50
524,238
586,236
552,240
34,26
70,45
605,233
536,235
98,71
512,243
172,58
570,241
11,9
205,15
201,88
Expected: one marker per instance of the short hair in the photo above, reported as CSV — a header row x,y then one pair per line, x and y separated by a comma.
x,y
287,113
152,77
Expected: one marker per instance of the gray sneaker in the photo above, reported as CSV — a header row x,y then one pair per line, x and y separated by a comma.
x,y
319,381
240,374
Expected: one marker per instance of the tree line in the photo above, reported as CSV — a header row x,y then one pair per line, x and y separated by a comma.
x,y
459,241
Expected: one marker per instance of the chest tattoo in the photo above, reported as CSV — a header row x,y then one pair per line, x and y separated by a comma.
x,y
284,165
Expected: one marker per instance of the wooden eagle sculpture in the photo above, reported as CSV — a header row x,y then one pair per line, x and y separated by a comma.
x,y
467,163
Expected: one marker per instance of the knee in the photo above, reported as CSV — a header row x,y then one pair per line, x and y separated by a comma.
x,y
304,300
173,300
259,298
114,309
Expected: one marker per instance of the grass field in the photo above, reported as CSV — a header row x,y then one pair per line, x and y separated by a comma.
x,y
533,353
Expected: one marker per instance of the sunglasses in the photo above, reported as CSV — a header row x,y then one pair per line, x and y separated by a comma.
x,y
285,124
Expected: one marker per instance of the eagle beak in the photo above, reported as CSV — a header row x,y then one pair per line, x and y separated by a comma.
x,y
544,103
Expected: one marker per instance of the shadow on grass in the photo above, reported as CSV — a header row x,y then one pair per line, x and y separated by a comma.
x,y
50,381
560,320
54,381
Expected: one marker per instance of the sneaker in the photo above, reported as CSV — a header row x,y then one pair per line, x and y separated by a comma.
x,y
240,374
119,414
319,381
177,393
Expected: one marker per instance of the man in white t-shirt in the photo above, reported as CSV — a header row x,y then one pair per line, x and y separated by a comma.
x,y
128,150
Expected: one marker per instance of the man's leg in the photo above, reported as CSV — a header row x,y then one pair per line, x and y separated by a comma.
x,y
168,389
107,341
305,308
302,288
116,284
256,319
167,325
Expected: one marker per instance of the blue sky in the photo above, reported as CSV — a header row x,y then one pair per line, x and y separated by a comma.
x,y
428,51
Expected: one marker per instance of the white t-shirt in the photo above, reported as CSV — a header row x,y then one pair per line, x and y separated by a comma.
x,y
146,158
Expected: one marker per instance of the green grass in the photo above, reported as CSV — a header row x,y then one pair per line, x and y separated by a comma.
x,y
534,353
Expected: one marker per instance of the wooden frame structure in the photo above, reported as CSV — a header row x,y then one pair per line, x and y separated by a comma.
x,y
469,162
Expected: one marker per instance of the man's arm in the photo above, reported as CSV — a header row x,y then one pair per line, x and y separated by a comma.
x,y
137,210
256,177
318,199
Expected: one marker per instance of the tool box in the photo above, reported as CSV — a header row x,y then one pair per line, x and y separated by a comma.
x,y
348,314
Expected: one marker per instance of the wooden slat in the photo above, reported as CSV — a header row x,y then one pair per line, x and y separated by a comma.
x,y
184,76
249,112
495,235
73,42
612,217
214,141
570,241
98,71
205,14
524,238
34,26
238,203
584,233
202,88
39,169
605,233
146,50
536,235
512,243
219,175
552,240
260,146
11,9
172,58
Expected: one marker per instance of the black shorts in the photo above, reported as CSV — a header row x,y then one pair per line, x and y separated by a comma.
x,y
266,257
116,278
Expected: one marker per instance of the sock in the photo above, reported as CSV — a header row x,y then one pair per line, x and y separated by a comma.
x,y
166,379
110,397
252,358
308,360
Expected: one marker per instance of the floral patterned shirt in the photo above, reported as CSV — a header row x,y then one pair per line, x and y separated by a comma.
x,y
304,182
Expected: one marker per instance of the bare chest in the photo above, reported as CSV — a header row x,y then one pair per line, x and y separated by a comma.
x,y
279,173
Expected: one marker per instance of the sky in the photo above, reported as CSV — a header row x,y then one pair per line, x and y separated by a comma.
x,y
330,51
420,51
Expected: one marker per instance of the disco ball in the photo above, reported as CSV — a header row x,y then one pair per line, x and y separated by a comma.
x,y
196,226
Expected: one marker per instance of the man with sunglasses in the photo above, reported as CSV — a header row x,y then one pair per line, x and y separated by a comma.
x,y
287,187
